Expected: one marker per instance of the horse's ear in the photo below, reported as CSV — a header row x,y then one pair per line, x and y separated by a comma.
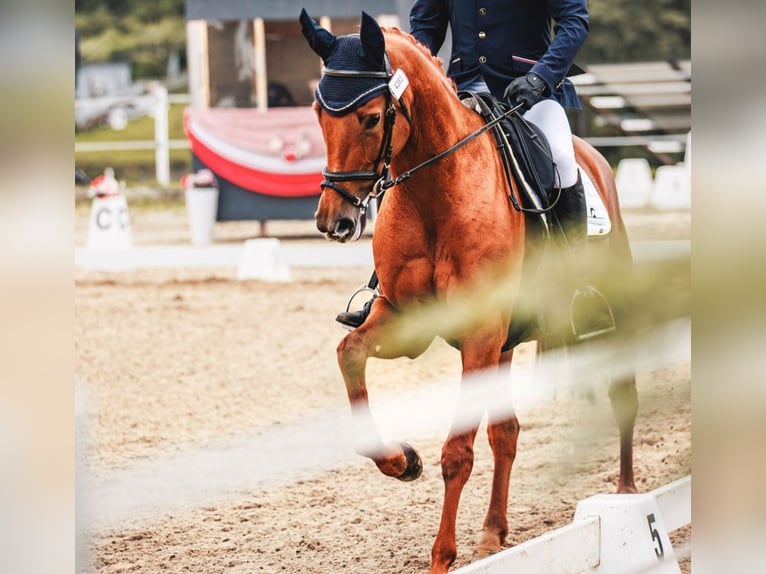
x,y
373,43
320,40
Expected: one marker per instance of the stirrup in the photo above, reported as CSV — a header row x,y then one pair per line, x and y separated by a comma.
x,y
598,318
362,289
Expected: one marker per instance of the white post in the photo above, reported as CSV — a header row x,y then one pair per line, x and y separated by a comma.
x,y
197,56
261,78
161,135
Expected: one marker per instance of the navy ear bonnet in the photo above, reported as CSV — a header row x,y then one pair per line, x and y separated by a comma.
x,y
339,95
356,67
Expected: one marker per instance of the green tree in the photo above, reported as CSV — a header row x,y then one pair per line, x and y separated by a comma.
x,y
144,33
626,30
148,32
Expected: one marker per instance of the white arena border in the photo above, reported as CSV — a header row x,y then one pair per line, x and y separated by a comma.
x,y
300,255
610,533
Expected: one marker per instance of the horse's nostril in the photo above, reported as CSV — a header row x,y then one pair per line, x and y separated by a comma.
x,y
344,226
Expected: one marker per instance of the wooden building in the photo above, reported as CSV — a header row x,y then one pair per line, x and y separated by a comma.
x,y
251,81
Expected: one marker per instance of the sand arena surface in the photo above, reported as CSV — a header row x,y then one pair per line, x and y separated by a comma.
x,y
175,360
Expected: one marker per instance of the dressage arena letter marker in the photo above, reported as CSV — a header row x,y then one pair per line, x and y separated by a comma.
x,y
262,259
109,224
634,537
398,83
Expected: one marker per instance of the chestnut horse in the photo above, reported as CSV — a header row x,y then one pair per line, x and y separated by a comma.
x,y
445,226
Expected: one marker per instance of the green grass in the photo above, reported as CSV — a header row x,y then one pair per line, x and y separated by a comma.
x,y
135,166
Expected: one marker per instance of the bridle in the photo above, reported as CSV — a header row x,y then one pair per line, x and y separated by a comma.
x,y
380,173
382,178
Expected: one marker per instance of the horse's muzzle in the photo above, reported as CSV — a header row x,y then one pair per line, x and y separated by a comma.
x,y
343,229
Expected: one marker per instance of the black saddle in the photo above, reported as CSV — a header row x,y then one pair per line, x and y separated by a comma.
x,y
525,154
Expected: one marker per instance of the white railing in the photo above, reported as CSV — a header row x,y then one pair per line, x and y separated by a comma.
x,y
158,103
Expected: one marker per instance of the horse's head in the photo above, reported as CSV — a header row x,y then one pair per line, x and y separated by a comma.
x,y
356,111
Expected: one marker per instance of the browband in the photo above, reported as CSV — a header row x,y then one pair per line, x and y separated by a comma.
x,y
353,73
361,74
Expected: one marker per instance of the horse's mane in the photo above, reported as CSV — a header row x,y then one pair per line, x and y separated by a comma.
x,y
436,62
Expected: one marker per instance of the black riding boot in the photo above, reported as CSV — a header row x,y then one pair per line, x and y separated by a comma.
x,y
355,318
589,312
571,211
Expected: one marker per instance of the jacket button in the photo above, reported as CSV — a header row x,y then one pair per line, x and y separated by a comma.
x,y
482,60
482,35
483,11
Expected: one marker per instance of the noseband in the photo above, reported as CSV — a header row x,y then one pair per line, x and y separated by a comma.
x,y
379,176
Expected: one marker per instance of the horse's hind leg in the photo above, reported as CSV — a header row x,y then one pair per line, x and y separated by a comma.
x,y
503,431
624,398
397,460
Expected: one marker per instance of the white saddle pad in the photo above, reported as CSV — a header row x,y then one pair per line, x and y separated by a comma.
x,y
598,218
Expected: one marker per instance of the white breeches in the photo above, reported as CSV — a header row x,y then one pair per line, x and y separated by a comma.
x,y
551,118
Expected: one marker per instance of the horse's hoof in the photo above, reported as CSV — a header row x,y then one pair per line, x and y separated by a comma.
x,y
414,464
481,553
488,545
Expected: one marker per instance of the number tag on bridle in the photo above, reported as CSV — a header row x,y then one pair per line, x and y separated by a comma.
x,y
398,83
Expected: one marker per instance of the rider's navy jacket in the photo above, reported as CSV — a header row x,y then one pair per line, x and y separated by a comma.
x,y
502,39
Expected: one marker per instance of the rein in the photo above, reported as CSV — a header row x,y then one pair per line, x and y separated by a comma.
x,y
452,149
382,179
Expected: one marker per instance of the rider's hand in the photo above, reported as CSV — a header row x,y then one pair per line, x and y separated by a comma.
x,y
527,90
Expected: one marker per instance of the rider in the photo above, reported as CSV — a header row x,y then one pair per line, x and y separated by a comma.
x,y
506,47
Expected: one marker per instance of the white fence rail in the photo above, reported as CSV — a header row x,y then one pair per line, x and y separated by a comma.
x,y
158,104
128,145
610,533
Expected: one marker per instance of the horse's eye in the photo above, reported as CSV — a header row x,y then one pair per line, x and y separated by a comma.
x,y
371,121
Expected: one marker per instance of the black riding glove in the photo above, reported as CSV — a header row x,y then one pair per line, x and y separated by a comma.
x,y
527,90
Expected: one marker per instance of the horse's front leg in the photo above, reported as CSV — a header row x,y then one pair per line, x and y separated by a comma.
x,y
503,433
373,339
479,352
